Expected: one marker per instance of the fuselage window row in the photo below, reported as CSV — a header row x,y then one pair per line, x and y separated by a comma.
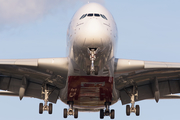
x,y
91,14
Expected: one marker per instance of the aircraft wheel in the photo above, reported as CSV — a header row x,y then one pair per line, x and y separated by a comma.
x,y
50,108
40,108
112,114
101,113
96,70
65,113
75,113
88,70
127,110
137,110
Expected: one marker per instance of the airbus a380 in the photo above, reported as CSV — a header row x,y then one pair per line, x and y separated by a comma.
x,y
90,78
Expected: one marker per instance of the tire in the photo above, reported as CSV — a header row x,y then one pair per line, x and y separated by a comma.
x,y
96,70
127,110
88,70
112,114
65,113
101,113
40,108
137,110
50,108
75,113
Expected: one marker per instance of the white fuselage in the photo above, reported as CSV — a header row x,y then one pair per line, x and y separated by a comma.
x,y
91,32
92,26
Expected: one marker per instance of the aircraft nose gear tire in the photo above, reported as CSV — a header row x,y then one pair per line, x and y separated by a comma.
x,y
70,111
107,111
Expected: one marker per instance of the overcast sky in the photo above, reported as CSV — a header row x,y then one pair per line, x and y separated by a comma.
x,y
147,30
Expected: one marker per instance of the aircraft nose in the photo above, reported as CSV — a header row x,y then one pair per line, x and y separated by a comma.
x,y
93,28
94,33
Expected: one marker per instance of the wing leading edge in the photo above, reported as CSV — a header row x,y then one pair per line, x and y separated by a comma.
x,y
152,79
37,73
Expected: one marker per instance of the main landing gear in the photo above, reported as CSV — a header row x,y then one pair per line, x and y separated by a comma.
x,y
70,111
133,109
107,111
45,107
92,68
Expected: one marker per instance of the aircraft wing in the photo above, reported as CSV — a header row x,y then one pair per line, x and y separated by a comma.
x,y
151,79
32,75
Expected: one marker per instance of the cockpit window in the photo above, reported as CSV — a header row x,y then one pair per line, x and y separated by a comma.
x,y
90,15
96,15
83,16
103,16
93,14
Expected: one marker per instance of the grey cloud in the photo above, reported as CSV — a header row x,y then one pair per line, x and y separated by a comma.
x,y
14,12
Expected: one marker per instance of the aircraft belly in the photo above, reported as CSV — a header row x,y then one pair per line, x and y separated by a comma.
x,y
90,90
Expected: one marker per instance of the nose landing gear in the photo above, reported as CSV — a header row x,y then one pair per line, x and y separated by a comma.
x,y
92,68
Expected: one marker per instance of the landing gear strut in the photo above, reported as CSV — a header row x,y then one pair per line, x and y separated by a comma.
x,y
107,111
70,111
92,68
45,107
133,109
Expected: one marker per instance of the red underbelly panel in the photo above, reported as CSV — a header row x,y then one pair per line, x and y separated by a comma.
x,y
90,90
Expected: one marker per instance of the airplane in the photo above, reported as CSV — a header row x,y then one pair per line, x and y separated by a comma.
x,y
90,78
